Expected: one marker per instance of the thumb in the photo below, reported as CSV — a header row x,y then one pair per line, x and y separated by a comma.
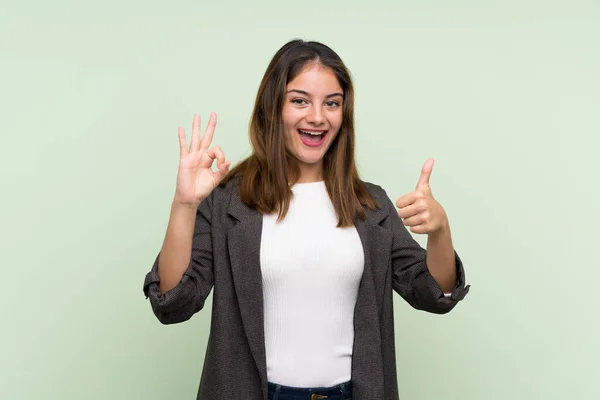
x,y
425,173
222,170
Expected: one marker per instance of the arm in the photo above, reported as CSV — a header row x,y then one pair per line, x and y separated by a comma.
x,y
440,258
413,278
175,254
182,274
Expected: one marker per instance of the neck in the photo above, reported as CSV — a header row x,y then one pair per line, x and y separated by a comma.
x,y
311,173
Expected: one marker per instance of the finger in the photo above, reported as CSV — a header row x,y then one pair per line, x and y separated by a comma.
x,y
210,130
415,220
422,229
425,173
216,153
408,199
409,211
195,133
183,150
222,171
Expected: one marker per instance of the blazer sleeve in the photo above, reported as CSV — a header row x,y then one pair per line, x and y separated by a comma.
x,y
411,278
188,297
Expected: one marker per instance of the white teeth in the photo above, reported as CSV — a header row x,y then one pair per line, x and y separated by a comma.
x,y
311,133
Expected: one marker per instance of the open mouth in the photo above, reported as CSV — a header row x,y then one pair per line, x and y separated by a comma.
x,y
312,138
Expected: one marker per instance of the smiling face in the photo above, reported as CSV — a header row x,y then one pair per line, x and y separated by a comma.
x,y
312,116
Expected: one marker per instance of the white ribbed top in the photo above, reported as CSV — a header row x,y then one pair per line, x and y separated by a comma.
x,y
311,273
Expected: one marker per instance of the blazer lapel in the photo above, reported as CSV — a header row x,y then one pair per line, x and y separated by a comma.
x,y
367,362
244,249
377,244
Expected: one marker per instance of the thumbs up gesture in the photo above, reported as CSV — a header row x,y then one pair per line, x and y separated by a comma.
x,y
419,210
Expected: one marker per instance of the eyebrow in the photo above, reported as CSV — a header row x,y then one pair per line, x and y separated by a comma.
x,y
308,94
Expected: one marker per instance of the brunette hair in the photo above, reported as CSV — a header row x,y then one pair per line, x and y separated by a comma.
x,y
265,176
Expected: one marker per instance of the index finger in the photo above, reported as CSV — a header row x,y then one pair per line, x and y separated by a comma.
x,y
208,134
406,200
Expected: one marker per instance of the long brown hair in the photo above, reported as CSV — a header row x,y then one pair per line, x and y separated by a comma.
x,y
265,176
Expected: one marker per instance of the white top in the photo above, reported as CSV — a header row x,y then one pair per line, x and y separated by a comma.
x,y
311,272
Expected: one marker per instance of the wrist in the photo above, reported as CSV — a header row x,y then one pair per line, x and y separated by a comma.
x,y
443,230
178,205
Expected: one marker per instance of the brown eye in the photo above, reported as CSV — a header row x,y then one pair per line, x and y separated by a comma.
x,y
298,101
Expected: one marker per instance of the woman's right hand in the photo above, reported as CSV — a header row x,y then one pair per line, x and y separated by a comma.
x,y
195,178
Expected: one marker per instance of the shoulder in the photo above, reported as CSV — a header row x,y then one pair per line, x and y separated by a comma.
x,y
372,187
227,189
377,192
219,199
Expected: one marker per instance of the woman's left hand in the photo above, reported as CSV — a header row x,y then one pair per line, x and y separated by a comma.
x,y
419,210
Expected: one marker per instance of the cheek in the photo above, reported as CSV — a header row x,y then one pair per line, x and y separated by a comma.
x,y
291,118
287,120
288,132
337,120
291,114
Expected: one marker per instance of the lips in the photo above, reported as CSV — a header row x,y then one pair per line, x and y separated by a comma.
x,y
312,137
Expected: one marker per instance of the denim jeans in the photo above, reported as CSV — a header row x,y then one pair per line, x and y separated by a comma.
x,y
343,391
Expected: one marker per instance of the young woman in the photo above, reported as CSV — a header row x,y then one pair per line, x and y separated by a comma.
x,y
303,255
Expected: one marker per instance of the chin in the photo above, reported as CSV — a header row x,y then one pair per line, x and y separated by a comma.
x,y
310,159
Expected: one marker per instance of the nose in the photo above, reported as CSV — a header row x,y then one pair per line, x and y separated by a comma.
x,y
315,116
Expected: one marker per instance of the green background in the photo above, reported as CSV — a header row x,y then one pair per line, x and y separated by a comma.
x,y
505,95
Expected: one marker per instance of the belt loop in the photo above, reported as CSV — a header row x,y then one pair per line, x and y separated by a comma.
x,y
342,388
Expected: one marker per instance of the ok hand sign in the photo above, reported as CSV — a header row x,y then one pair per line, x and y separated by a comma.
x,y
195,178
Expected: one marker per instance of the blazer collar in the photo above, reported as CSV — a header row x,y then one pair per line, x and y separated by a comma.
x,y
243,213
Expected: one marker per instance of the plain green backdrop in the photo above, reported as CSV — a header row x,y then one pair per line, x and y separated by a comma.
x,y
505,95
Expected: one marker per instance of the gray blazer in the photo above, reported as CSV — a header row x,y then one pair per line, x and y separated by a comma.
x,y
225,255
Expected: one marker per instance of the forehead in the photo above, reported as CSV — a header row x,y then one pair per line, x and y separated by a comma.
x,y
316,79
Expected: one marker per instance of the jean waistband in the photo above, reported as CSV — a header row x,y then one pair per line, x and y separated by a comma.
x,y
339,391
